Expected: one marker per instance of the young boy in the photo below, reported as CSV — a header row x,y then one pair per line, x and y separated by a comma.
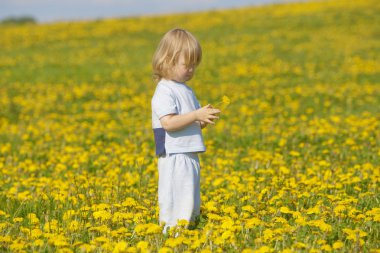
x,y
177,119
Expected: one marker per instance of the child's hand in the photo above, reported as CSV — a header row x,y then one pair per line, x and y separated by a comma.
x,y
207,114
202,124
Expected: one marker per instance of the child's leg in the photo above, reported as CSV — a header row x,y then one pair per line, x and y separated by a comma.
x,y
165,189
197,192
186,196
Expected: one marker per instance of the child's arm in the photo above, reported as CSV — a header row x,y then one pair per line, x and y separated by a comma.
x,y
175,122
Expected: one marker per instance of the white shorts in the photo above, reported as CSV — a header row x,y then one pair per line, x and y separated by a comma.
x,y
178,188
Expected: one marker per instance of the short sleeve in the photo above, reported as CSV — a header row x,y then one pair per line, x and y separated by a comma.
x,y
163,102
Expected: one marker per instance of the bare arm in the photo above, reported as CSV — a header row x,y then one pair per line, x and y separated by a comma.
x,y
175,122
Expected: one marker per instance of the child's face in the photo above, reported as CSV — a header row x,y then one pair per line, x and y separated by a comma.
x,y
182,72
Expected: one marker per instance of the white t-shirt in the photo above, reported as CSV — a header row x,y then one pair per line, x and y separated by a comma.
x,y
172,97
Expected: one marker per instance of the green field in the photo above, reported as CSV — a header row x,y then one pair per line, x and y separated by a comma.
x,y
292,165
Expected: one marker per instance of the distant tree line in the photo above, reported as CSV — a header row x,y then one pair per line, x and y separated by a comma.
x,y
18,20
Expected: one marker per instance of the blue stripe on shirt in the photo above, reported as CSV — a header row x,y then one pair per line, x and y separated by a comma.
x,y
159,139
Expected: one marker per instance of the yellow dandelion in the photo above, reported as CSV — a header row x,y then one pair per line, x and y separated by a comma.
x,y
153,229
33,218
18,219
101,239
248,208
73,226
338,245
226,100
129,202
253,222
326,247
285,209
143,246
102,215
35,233
38,243
5,239
279,220
268,234
58,241
299,245
17,246
264,249
120,247
165,250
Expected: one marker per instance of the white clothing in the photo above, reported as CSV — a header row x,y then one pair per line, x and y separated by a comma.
x,y
171,97
178,188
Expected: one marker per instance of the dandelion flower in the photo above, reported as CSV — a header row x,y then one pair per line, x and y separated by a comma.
x,y
226,100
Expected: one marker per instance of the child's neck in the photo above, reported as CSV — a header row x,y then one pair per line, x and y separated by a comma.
x,y
176,81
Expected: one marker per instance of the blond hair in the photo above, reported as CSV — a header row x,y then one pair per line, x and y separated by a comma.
x,y
172,45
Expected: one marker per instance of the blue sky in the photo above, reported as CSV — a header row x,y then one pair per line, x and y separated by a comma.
x,y
58,10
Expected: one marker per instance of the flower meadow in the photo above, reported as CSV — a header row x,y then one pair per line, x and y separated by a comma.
x,y
292,164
